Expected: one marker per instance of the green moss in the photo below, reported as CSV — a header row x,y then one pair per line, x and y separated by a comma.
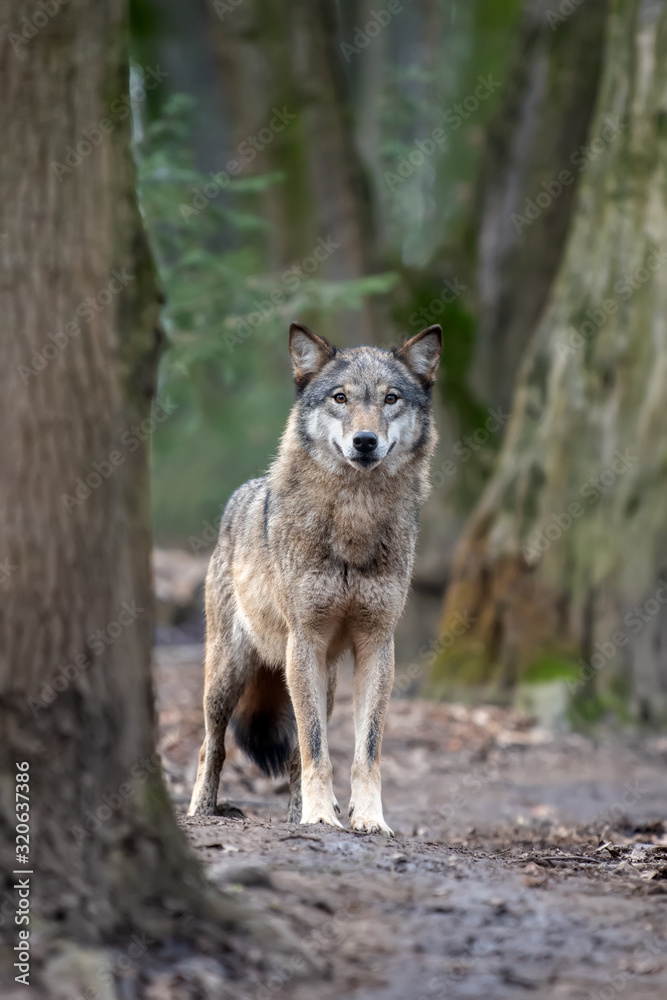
x,y
550,667
466,664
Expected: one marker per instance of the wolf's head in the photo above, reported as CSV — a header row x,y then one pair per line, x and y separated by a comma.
x,y
364,406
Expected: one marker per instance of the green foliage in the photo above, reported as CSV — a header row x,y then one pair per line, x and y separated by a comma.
x,y
226,366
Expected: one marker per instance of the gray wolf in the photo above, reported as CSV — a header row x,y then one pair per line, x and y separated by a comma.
x,y
314,560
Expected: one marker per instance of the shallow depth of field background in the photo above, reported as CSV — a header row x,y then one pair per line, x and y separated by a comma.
x,y
370,170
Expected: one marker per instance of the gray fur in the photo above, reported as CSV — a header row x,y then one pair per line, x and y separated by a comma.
x,y
315,560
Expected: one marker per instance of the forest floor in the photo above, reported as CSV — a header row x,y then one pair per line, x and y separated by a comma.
x,y
523,864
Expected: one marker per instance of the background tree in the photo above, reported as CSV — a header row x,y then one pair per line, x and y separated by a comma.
x,y
271,56
562,559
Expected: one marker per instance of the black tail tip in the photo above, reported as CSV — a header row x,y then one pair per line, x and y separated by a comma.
x,y
270,746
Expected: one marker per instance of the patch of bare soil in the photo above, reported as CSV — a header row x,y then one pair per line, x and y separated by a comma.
x,y
523,864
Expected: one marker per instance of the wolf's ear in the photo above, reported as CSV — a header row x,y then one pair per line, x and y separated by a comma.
x,y
421,354
309,353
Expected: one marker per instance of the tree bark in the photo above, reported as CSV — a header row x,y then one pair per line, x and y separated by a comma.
x,y
544,118
563,556
79,307
500,267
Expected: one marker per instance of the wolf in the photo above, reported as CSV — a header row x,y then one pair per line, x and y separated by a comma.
x,y
313,561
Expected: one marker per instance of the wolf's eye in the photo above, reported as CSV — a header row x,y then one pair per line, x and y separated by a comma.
x,y
391,398
340,397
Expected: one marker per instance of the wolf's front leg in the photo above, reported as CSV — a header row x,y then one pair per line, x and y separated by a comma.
x,y
373,681
306,674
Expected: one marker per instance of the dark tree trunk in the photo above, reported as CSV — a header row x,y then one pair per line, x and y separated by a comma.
x,y
79,308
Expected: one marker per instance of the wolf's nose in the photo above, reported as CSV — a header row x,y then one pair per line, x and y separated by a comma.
x,y
365,442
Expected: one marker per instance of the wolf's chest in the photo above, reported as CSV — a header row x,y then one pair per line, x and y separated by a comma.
x,y
366,541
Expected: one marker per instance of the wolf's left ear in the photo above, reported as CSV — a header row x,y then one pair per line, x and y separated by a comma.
x,y
309,353
422,353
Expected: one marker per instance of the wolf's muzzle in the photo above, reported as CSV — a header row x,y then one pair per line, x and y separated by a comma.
x,y
365,442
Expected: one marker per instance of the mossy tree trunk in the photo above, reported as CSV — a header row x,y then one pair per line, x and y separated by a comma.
x,y
563,557
79,308
502,265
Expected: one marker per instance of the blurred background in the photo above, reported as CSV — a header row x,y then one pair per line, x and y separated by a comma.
x,y
493,167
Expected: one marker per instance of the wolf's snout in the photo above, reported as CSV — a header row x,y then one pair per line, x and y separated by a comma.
x,y
365,442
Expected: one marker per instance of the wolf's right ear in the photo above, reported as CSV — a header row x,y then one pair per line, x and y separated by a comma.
x,y
309,353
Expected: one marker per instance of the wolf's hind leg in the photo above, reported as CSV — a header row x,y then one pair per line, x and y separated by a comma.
x,y
373,681
226,678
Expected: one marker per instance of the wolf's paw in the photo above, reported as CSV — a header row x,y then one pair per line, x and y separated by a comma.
x,y
224,809
371,823
316,815
201,809
230,811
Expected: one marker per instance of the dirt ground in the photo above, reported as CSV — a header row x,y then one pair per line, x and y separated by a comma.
x,y
523,864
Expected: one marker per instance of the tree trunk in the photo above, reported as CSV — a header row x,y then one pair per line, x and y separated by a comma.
x,y
79,307
562,559
545,116
501,268
276,56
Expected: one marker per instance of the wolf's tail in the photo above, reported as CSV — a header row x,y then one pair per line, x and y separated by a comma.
x,y
263,724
